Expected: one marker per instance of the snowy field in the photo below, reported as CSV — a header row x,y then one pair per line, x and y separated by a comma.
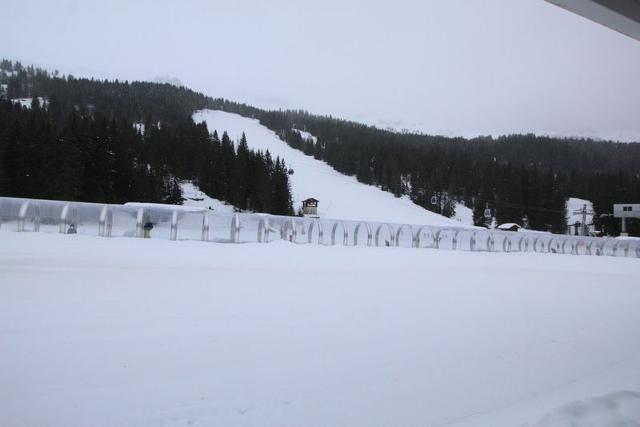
x,y
133,332
340,196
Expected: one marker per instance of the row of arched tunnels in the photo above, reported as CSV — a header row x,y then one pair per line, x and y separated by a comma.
x,y
193,223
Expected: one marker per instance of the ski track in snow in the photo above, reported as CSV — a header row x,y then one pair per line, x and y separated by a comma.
x,y
340,196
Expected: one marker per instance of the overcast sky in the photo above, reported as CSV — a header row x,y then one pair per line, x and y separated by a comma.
x,y
455,67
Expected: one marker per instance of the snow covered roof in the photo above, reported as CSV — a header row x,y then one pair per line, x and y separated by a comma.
x,y
509,226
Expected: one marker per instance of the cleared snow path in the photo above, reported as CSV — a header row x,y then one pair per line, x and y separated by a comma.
x,y
340,196
135,332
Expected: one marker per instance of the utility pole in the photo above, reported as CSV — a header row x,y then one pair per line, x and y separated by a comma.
x,y
584,212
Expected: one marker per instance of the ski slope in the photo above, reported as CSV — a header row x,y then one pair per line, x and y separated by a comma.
x,y
143,332
194,197
340,196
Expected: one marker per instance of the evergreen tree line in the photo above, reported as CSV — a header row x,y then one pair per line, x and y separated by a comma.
x,y
97,152
520,178
88,159
250,180
514,175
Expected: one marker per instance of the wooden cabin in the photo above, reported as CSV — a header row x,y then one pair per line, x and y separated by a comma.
x,y
310,207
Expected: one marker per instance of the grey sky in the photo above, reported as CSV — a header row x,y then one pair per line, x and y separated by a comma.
x,y
458,67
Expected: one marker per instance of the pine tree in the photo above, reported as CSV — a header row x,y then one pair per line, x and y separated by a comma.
x,y
240,177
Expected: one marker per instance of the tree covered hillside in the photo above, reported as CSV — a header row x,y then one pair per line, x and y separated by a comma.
x,y
118,142
515,175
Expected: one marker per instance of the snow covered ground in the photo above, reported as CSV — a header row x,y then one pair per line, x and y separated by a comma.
x,y
340,196
306,135
194,197
464,214
139,127
26,102
136,332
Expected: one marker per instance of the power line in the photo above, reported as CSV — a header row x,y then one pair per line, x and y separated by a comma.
x,y
517,206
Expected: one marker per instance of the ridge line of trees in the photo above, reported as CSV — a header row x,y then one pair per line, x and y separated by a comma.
x,y
117,142
513,172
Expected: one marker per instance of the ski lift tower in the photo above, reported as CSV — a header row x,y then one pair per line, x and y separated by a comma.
x,y
624,211
584,212
487,215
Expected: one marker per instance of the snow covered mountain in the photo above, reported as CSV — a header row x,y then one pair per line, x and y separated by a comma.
x,y
340,196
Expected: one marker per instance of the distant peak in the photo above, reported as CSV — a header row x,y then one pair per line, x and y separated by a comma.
x,y
174,81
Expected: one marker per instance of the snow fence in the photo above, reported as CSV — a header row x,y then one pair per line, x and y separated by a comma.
x,y
190,223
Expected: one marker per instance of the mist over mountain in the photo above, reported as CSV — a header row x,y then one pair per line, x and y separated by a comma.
x,y
462,68
174,81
